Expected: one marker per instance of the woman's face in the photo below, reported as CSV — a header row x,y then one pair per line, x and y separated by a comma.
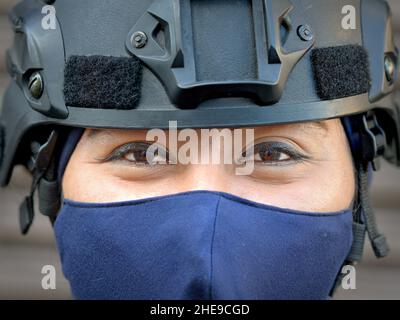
x,y
306,167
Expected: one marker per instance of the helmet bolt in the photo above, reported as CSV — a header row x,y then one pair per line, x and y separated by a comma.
x,y
390,67
305,32
35,85
139,39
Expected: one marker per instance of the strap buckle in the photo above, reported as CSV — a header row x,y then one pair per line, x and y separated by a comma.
x,y
373,140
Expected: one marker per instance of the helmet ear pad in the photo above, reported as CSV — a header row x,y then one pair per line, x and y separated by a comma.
x,y
67,149
352,134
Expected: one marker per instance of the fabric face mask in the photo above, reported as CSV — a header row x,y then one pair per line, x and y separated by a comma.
x,y
200,245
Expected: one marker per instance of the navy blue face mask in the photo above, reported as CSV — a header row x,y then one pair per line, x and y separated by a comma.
x,y
200,245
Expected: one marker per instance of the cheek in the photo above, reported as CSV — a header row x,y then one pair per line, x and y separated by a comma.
x,y
326,191
95,183
325,186
89,183
330,187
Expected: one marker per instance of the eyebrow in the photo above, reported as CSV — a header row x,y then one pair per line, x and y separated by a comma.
x,y
318,125
95,132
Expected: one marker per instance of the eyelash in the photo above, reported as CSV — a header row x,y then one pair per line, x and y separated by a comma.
x,y
279,147
120,153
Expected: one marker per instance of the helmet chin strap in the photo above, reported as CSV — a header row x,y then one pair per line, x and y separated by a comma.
x,y
364,220
373,143
378,240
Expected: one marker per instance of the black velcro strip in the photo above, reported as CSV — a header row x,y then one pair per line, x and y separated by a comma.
x,y
340,71
102,82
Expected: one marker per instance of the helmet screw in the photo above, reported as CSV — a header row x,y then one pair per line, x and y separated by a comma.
x,y
35,85
390,67
139,39
305,32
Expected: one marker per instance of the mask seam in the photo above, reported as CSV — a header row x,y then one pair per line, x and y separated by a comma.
x,y
212,249
221,194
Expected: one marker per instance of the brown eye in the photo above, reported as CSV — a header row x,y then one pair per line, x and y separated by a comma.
x,y
136,156
271,156
139,153
273,153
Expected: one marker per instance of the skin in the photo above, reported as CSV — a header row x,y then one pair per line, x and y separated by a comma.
x,y
323,181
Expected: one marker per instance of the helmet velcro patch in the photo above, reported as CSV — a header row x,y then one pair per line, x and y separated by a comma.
x,y
340,72
102,82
